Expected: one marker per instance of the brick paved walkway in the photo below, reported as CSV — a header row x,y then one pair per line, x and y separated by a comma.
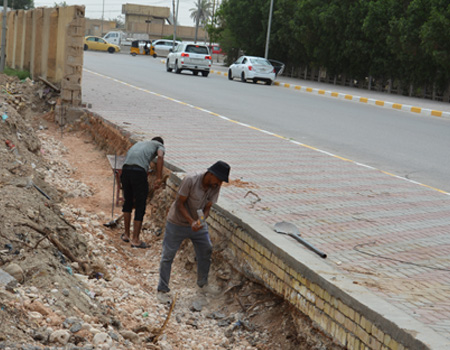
x,y
382,232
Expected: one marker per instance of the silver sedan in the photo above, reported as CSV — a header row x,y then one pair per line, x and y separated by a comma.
x,y
252,68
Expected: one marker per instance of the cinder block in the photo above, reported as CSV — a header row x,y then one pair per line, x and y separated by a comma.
x,y
334,302
339,317
320,303
311,297
357,318
323,321
341,335
328,310
346,310
377,334
350,325
350,342
326,296
362,334
374,344
393,345
319,291
387,339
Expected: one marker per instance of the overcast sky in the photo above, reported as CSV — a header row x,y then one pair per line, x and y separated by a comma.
x,y
113,8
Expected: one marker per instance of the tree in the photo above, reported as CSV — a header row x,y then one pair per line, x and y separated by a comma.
x,y
405,42
435,34
200,14
21,4
120,22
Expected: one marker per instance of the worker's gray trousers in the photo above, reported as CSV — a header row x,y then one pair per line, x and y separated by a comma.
x,y
173,238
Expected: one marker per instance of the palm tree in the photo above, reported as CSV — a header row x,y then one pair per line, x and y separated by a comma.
x,y
200,13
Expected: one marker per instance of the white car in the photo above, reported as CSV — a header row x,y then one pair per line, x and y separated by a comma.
x,y
189,56
162,47
252,68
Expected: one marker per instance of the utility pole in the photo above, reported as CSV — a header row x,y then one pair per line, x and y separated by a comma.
x,y
175,22
103,14
3,49
266,54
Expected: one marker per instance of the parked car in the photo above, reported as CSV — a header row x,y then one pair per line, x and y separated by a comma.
x,y
162,47
188,56
99,44
216,49
252,68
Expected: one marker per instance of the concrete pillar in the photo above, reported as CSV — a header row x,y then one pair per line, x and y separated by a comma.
x,y
45,39
36,43
52,45
10,39
73,67
28,40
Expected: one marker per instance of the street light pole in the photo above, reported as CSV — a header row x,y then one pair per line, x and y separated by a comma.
x,y
266,54
103,14
174,37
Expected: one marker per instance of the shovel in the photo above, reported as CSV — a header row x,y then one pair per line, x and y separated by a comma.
x,y
290,229
113,223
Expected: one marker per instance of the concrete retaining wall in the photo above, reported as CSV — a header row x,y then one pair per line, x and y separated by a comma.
x,y
350,314
48,42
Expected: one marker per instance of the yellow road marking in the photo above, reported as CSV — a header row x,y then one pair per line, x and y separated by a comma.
x,y
436,113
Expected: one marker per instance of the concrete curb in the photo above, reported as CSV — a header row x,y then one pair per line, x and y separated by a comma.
x,y
355,98
370,101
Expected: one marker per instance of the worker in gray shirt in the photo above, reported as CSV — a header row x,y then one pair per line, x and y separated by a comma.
x,y
196,195
135,185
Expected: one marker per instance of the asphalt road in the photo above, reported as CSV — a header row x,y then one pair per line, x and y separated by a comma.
x,y
408,145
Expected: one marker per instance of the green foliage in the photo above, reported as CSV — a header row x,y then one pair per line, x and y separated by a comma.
x,y
21,4
406,40
120,22
170,37
201,13
21,74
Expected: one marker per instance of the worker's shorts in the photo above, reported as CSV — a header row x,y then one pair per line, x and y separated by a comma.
x,y
135,190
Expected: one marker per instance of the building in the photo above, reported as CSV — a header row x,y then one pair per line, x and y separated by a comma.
x,y
97,27
155,21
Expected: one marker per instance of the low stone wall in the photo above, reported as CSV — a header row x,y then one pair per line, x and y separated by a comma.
x,y
348,313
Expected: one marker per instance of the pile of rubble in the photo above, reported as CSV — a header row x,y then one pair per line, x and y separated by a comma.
x,y
68,282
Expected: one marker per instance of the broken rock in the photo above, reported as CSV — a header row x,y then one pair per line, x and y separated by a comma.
x,y
6,280
61,336
15,271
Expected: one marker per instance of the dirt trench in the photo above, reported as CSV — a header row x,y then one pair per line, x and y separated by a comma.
x,y
76,284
